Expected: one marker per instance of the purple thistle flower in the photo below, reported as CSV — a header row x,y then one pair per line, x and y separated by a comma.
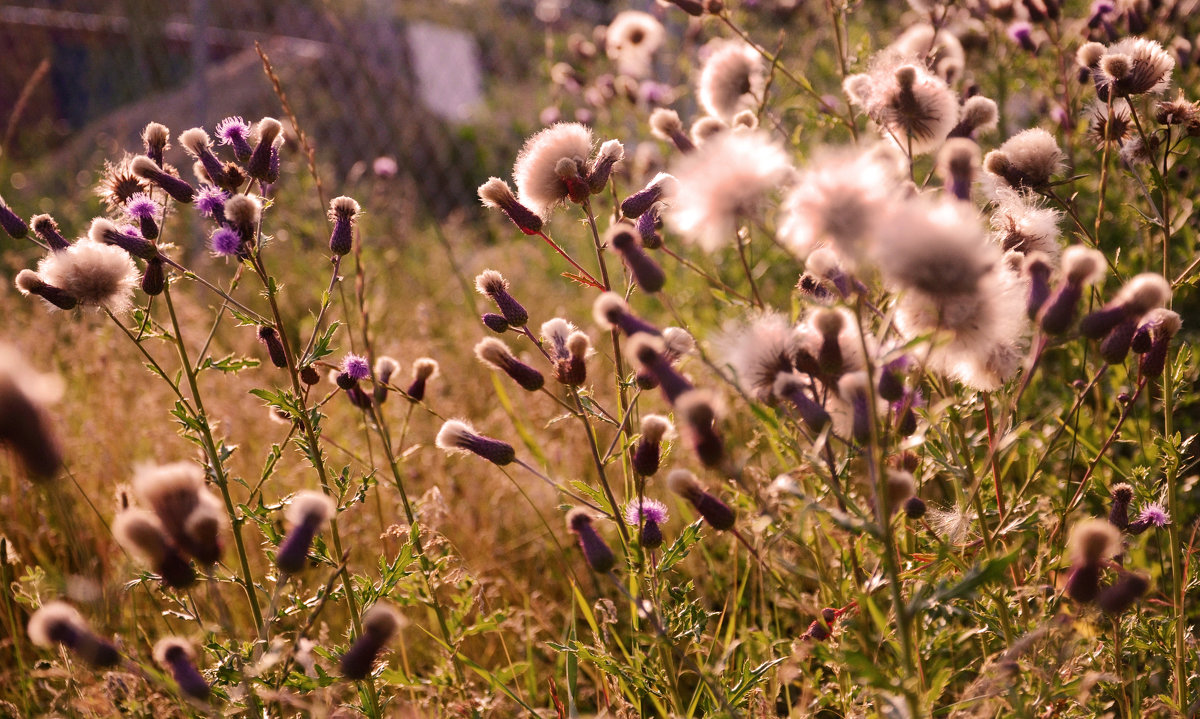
x,y
1153,515
235,131
141,206
210,201
356,367
225,242
646,509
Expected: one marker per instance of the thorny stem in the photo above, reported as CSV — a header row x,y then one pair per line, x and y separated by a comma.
x,y
583,274
612,499
218,468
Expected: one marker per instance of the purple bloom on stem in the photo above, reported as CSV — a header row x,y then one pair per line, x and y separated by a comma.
x,y
356,366
142,207
210,201
649,510
225,242
1155,514
236,132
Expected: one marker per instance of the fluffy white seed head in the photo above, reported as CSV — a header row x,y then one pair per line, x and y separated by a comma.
x,y
706,128
92,272
243,210
195,141
678,341
731,80
607,308
1144,292
490,282
453,434
309,507
656,427
425,368
540,185
268,129
665,123
1083,265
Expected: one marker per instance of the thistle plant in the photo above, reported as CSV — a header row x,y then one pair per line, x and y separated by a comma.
x,y
844,375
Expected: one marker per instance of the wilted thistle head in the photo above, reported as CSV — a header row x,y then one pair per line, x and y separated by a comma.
x,y
732,79
176,655
718,514
647,452
649,353
459,437
639,202
978,115
595,550
601,167
1092,541
198,144
1020,224
45,227
759,350
259,166
1026,160
491,284
611,310
541,184
1123,593
424,369
244,213
143,535
11,222
343,212
155,137
106,232
623,237
1136,297
385,368
496,193
93,273
59,623
380,623
722,183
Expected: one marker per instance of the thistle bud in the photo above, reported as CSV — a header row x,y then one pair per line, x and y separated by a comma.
x,y
1160,325
1116,343
666,125
59,623
494,322
197,144
424,369
650,515
234,131
105,232
46,228
12,223
459,437
822,627
610,154
1092,542
595,550
154,139
176,656
497,194
647,452
308,514
343,212
385,368
379,625
650,354
1138,296
646,272
914,507
1082,266
148,170
1118,515
610,310
639,202
718,514
698,415
1036,267
648,225
29,282
143,535
309,375
491,284
264,155
794,388
1120,597
495,354
270,337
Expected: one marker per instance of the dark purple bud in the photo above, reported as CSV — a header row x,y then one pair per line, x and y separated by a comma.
x,y
270,337
651,536
790,388
646,456
494,322
646,272
47,229
1059,312
293,551
95,650
146,169
1154,361
309,375
492,284
697,416
106,232
891,380
648,225
907,420
1120,597
914,507
610,310
29,282
176,571
1118,515
456,436
1038,271
649,353
1084,583
718,514
154,279
641,201
174,656
610,154
13,225
259,164
645,379
1095,325
379,625
691,7
342,240
1115,346
595,550
358,397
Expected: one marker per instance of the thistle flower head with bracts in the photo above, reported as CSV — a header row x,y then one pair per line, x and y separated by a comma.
x,y
343,213
913,107
491,284
192,516
717,513
733,78
308,514
552,167
59,623
143,535
235,132
380,623
458,437
423,369
648,514
595,550
1132,66
90,273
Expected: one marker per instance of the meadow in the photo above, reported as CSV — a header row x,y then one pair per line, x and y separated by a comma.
x,y
800,359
